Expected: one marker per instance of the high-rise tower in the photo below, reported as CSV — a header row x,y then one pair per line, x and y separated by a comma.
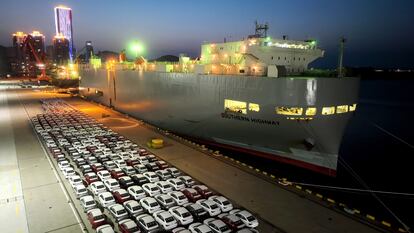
x,y
63,22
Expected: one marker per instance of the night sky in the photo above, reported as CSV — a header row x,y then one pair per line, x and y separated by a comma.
x,y
380,33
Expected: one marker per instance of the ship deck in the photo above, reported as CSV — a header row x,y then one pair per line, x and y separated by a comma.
x,y
34,197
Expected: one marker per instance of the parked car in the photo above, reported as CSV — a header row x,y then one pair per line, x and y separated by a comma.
x,y
129,170
97,187
121,196
161,164
105,229
198,212
191,194
151,177
75,180
133,208
136,192
116,173
164,186
68,172
91,177
118,212
151,189
120,163
128,226
87,203
149,204
109,165
187,180
232,221
85,169
139,179
165,201
103,175
96,167
96,218
181,214
217,225
63,164
224,204
176,183
111,184
125,182
165,219
106,199
147,223
173,171
140,168
203,191
80,190
152,166
210,206
247,218
164,175
199,228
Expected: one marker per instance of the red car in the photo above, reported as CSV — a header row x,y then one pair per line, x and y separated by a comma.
x,y
161,164
96,167
121,196
203,191
128,226
234,222
116,173
96,218
192,194
132,162
91,177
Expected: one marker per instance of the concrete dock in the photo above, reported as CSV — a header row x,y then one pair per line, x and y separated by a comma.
x,y
34,200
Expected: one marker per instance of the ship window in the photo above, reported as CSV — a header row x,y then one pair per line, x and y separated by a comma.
x,y
299,58
254,107
285,58
235,106
310,111
328,110
291,111
278,58
342,109
352,107
272,57
294,58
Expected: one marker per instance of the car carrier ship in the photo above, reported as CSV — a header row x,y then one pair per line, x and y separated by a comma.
x,y
245,95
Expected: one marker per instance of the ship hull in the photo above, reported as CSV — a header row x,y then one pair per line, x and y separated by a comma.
x,y
193,105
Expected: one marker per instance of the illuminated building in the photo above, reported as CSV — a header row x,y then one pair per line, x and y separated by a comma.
x,y
60,49
24,62
88,50
63,23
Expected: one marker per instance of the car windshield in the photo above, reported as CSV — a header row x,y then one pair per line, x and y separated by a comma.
x,y
238,222
114,184
90,203
226,203
169,219
223,228
185,214
154,204
99,217
77,180
109,198
154,176
81,190
100,187
199,211
121,212
214,206
179,183
154,189
168,200
151,224
181,197
125,195
251,218
136,208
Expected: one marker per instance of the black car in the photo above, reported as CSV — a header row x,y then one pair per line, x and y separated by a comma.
x,y
197,211
152,166
125,182
103,158
139,179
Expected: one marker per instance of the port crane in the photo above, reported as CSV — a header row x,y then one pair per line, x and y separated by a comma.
x,y
40,58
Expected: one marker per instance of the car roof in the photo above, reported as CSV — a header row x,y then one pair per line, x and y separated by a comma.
x,y
87,198
128,223
232,217
121,191
218,223
244,213
164,213
132,203
95,212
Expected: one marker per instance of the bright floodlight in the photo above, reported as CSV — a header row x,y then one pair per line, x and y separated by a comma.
x,y
137,48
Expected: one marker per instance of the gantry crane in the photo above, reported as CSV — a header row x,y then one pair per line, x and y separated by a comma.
x,y
40,58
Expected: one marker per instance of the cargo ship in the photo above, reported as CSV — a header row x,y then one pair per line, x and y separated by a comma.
x,y
245,95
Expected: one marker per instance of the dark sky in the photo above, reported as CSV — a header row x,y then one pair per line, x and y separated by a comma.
x,y
380,32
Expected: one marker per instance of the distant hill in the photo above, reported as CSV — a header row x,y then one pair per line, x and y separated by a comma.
x,y
166,58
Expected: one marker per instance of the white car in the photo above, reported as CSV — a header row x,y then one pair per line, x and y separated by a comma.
x,y
181,214
163,174
224,204
104,175
173,171
129,170
199,228
120,163
246,217
140,168
68,172
118,212
75,180
149,204
187,180
217,225
176,183
63,164
151,189
87,203
143,160
133,208
130,225
151,176
80,190
111,184
164,186
165,201
136,192
97,187
147,223
165,219
106,228
106,199
210,206
178,197
109,165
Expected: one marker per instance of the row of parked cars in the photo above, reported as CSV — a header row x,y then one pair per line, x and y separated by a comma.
x,y
123,187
